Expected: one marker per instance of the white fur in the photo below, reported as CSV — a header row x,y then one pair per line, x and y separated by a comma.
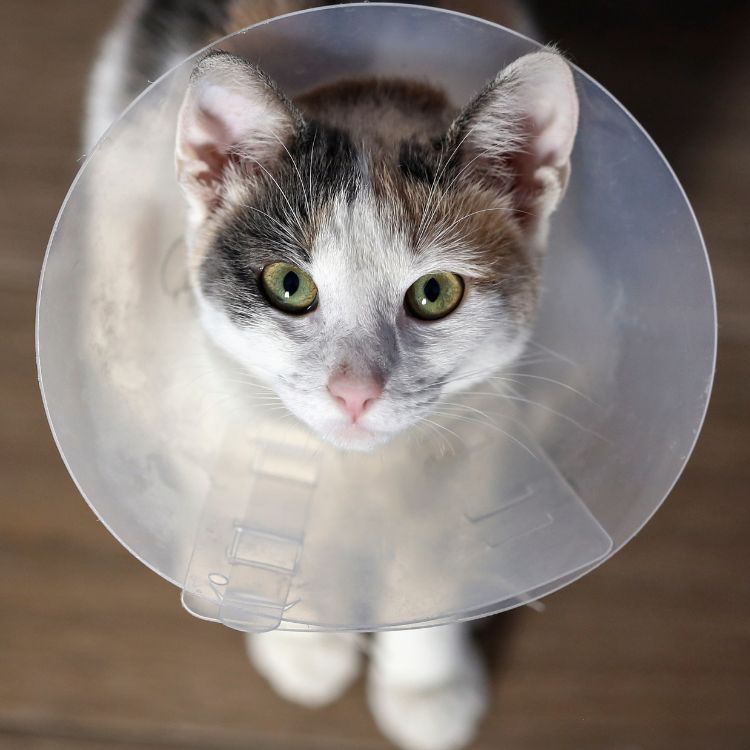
x,y
106,98
312,669
427,688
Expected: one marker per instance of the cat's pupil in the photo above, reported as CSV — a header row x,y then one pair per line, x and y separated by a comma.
x,y
291,283
432,290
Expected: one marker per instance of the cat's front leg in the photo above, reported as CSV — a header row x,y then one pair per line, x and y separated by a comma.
x,y
312,669
427,688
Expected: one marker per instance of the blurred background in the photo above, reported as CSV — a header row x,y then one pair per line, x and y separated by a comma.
x,y
651,651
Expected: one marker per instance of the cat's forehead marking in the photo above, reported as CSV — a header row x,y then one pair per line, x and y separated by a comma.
x,y
419,161
360,258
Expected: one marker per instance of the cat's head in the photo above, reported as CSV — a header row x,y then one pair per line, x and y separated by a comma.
x,y
366,250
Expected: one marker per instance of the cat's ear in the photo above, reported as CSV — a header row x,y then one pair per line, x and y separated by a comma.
x,y
234,125
517,135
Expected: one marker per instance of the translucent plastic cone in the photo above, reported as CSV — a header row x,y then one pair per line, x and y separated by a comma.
x,y
265,527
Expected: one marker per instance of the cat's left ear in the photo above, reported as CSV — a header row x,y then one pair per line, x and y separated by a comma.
x,y
517,135
234,127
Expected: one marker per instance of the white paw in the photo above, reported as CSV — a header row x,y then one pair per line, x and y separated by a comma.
x,y
442,716
312,669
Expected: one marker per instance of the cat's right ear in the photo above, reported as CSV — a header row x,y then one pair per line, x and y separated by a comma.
x,y
517,135
233,126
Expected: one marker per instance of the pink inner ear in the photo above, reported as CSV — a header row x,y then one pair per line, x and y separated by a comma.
x,y
552,132
210,145
225,133
548,135
215,161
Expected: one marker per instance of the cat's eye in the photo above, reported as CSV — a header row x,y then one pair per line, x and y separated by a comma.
x,y
434,295
289,288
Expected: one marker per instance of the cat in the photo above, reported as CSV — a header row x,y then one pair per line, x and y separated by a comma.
x,y
363,250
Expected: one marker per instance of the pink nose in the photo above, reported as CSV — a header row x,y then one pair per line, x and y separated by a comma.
x,y
354,394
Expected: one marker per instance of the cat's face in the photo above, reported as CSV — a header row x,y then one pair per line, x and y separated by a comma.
x,y
361,283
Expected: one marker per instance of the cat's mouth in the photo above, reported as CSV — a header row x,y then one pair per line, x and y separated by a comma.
x,y
355,437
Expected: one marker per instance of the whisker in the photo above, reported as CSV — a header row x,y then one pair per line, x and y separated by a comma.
x,y
430,433
465,406
442,427
296,169
281,226
499,415
446,230
312,151
551,411
546,380
283,195
547,350
491,426
442,166
446,190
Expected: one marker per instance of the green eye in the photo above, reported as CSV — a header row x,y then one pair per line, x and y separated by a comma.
x,y
434,296
289,288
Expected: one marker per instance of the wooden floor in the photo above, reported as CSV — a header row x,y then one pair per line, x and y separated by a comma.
x,y
650,652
